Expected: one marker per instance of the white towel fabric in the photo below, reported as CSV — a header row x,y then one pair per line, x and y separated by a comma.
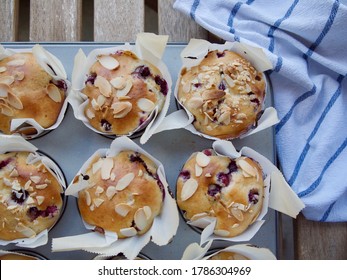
x,y
307,44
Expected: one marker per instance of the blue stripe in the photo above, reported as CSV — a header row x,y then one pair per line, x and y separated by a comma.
x,y
296,102
327,213
278,64
325,30
193,9
232,15
327,165
249,2
314,131
278,23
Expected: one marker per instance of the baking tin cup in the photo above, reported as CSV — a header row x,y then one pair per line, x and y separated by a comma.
x,y
52,65
140,256
15,143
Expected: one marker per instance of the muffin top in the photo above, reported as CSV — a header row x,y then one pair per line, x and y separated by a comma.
x,y
28,91
123,194
217,186
30,197
223,255
123,91
12,256
225,93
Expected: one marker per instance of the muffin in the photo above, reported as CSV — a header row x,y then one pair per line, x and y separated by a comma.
x,y
30,196
123,91
224,93
123,194
229,190
12,256
28,91
224,255
20,255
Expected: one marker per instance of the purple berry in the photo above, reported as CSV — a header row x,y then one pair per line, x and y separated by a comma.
x,y
34,213
91,79
162,83
197,85
185,174
142,71
19,196
161,187
255,100
207,152
220,54
61,84
222,86
232,167
213,190
106,125
253,196
5,162
223,179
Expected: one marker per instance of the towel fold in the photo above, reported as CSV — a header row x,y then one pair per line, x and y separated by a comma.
x,y
306,42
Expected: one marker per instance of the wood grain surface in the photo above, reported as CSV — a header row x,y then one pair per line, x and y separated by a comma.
x,y
8,20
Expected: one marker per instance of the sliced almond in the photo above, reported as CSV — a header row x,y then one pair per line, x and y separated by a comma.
x,y
41,187
247,167
224,118
101,100
235,225
16,186
186,87
128,232
118,82
126,89
7,80
195,102
90,114
221,232
98,201
145,104
110,192
4,89
121,109
148,211
212,94
6,110
198,170
26,231
11,207
107,165
2,69
96,166
237,213
229,81
18,75
29,200
27,185
14,173
54,93
125,181
95,105
202,159
198,216
189,188
14,101
88,198
122,209
103,85
35,179
108,62
99,190
140,219
16,62
7,182
40,199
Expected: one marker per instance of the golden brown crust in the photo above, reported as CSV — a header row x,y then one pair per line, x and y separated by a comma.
x,y
230,190
129,197
228,256
225,94
116,109
30,197
12,256
26,82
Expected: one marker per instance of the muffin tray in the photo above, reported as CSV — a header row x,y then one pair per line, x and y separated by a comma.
x,y
72,143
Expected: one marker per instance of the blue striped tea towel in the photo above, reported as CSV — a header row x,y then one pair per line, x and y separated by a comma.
x,y
306,42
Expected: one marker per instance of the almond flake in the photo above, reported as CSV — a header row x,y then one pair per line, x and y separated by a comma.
x,y
108,62
99,190
35,179
148,211
6,80
198,170
195,102
2,69
208,175
237,213
186,87
110,192
26,231
118,82
229,81
18,75
221,232
224,118
140,173
122,209
41,187
90,114
14,173
88,198
213,94
189,188
121,109
107,165
29,200
4,89
202,159
16,62
98,201
101,100
112,176
27,185
6,110
248,168
11,207
92,207
97,165
40,199
126,89
198,216
235,225
128,232
95,105
140,219
104,86
14,101
125,181
145,104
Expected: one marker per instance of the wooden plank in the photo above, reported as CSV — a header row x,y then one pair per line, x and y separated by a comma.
x,y
52,20
8,20
118,20
320,241
179,27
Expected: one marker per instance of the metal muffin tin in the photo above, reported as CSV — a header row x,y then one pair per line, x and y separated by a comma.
x,y
72,143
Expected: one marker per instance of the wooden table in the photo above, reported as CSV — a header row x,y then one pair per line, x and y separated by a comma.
x,y
121,20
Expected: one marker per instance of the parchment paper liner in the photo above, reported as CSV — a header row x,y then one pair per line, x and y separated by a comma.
x,y
278,195
148,47
15,143
195,252
43,57
198,48
25,253
163,229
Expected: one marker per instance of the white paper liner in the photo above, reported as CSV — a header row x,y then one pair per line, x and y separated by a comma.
x,y
148,47
196,252
163,229
198,48
277,195
16,143
43,57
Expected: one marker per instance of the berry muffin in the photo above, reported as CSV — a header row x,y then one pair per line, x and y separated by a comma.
x,y
28,91
224,255
123,91
122,194
231,191
225,93
30,196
